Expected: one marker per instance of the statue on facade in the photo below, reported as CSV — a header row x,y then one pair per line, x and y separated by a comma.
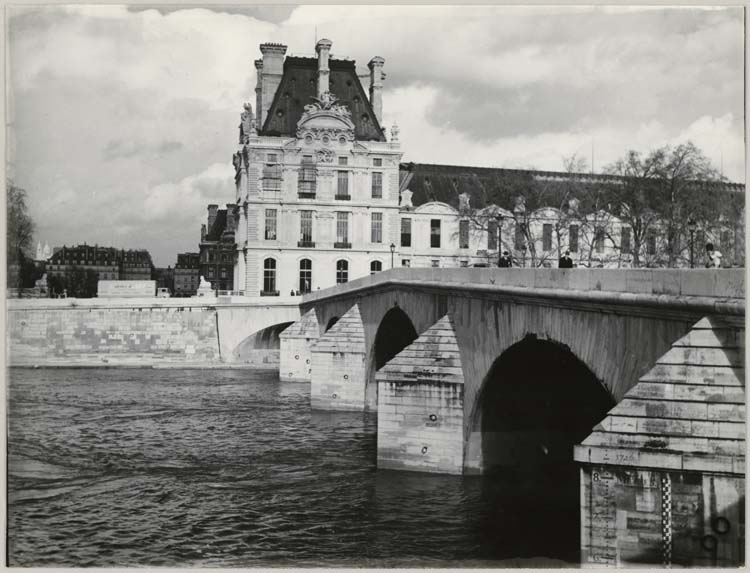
x,y
328,102
463,202
248,127
204,284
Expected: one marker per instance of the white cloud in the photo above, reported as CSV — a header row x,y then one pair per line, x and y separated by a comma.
x,y
123,122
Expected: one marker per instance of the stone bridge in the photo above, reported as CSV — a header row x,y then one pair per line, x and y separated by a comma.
x,y
637,375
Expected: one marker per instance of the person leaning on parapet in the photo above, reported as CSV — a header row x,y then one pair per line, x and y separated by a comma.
x,y
565,261
505,261
713,257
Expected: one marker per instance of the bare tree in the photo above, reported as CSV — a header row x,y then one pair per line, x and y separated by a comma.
x,y
20,235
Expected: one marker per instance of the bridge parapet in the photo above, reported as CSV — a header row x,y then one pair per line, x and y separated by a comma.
x,y
719,290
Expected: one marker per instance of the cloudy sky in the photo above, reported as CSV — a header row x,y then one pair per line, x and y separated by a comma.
x,y
123,120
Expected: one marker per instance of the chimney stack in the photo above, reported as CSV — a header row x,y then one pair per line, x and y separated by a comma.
x,y
258,93
230,218
272,68
212,212
323,49
376,86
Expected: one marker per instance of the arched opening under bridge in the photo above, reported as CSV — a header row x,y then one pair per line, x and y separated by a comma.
x,y
395,332
537,402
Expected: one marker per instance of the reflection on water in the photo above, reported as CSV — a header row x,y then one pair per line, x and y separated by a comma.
x,y
231,468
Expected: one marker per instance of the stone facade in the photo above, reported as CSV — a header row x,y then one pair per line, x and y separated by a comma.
x,y
663,475
296,348
338,374
187,274
217,247
317,183
420,405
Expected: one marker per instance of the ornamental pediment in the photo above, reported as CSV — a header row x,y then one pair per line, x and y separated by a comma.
x,y
326,121
436,208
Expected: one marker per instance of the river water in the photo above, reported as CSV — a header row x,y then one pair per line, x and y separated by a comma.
x,y
224,468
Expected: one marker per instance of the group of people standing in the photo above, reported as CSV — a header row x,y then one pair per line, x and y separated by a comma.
x,y
713,259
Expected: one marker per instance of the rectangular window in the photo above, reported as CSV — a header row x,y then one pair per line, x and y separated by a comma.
x,y
491,235
305,230
405,262
343,161
464,263
307,177
270,224
435,233
625,240
377,185
223,273
651,244
342,190
342,228
377,162
435,263
376,235
463,234
520,241
406,232
599,240
271,173
547,237
573,238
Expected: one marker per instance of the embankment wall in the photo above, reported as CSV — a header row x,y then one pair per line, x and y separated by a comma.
x,y
143,332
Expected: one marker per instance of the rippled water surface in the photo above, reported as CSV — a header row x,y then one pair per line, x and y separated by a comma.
x,y
231,468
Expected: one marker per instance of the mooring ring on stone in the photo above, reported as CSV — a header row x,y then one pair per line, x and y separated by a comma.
x,y
334,396
296,356
709,543
721,525
424,449
346,377
433,417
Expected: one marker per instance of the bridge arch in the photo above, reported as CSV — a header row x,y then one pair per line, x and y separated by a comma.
x,y
536,402
333,320
395,332
254,347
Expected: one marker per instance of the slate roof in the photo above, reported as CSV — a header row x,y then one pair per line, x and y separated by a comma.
x,y
299,85
347,335
494,186
433,357
687,413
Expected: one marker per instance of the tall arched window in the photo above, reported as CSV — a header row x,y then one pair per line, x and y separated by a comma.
x,y
305,275
342,271
375,267
269,277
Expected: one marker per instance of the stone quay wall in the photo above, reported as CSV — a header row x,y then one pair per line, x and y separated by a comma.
x,y
141,332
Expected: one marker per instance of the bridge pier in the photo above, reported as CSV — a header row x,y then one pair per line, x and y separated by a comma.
x,y
295,355
663,475
420,405
339,376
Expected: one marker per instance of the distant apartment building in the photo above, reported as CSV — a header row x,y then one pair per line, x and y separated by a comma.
x,y
164,278
187,274
217,247
107,262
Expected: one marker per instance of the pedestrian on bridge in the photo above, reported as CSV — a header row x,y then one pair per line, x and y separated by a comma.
x,y
505,261
565,261
713,257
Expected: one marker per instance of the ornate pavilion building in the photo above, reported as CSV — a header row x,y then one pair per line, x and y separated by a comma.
x,y
317,181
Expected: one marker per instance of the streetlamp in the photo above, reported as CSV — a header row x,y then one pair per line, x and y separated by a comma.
x,y
691,227
499,219
393,248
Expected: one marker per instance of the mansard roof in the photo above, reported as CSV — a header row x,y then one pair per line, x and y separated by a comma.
x,y
299,85
489,185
